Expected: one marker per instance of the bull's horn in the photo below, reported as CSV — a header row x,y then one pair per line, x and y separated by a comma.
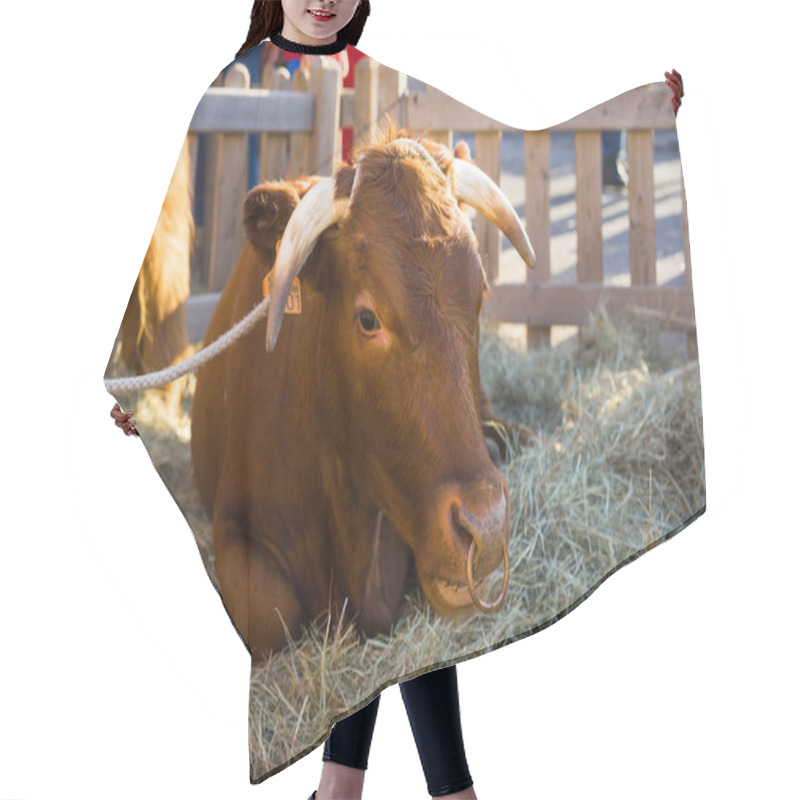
x,y
317,210
477,189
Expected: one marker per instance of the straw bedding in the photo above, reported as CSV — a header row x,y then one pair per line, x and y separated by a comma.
x,y
617,467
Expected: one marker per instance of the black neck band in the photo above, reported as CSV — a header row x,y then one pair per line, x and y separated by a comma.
x,y
308,49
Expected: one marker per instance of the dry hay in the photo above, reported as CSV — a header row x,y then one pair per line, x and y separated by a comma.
x,y
618,467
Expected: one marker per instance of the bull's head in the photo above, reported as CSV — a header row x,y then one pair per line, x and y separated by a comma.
x,y
402,281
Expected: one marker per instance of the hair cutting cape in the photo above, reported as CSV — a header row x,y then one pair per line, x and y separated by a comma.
x,y
475,394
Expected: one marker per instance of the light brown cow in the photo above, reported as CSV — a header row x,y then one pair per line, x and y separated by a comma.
x,y
332,457
153,331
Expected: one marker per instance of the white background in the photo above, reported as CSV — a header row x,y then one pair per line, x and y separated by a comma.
x,y
120,674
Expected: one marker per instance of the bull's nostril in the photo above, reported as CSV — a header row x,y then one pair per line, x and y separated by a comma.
x,y
461,532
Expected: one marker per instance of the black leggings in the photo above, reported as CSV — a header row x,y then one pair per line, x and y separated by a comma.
x,y
432,706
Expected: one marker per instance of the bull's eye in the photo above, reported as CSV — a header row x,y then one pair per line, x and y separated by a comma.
x,y
368,321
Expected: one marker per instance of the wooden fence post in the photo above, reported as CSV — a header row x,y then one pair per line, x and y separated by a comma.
x,y
442,137
366,100
445,135
326,141
274,147
392,87
201,256
299,143
641,208
537,220
230,186
589,206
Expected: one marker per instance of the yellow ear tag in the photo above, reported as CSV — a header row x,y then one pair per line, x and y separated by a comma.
x,y
293,301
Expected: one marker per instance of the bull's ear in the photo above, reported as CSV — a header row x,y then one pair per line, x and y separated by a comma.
x,y
344,177
267,208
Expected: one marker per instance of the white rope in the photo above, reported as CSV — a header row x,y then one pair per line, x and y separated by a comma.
x,y
153,380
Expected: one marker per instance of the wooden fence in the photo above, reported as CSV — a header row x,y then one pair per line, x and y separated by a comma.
x,y
298,123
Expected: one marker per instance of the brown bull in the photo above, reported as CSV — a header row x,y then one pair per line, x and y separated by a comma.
x,y
153,331
351,446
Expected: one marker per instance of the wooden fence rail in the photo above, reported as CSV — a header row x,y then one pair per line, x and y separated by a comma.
x,y
299,121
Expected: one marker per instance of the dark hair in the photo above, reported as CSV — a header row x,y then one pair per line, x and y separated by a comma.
x,y
266,19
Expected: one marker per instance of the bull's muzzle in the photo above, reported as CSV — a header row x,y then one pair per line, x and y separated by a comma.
x,y
478,521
